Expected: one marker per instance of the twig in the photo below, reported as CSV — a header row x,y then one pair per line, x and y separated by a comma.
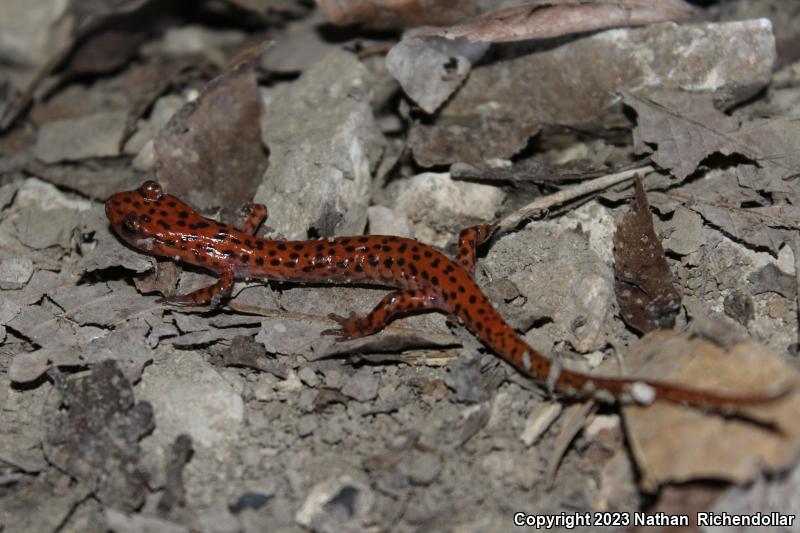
x,y
546,202
574,419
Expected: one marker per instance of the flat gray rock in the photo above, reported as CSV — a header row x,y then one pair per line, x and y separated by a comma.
x,y
324,145
73,139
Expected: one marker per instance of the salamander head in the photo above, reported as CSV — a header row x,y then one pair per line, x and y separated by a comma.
x,y
138,216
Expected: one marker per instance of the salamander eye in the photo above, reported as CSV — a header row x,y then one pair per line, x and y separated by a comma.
x,y
151,190
130,224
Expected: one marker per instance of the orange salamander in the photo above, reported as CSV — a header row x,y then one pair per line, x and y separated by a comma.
x,y
162,225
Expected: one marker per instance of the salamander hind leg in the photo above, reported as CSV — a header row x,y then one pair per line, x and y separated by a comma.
x,y
394,304
213,294
255,215
468,242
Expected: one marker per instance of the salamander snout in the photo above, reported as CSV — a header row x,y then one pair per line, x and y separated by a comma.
x,y
128,211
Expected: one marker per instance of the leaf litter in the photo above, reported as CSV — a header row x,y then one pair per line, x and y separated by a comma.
x,y
253,418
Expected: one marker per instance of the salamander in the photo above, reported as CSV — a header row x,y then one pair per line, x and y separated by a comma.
x,y
424,278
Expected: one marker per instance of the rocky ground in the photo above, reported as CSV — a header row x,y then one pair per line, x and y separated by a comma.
x,y
125,414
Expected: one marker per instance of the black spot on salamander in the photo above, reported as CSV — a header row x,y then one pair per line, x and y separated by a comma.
x,y
294,255
245,258
282,246
200,225
183,214
428,254
345,241
320,247
163,213
388,262
413,269
248,242
434,280
172,203
299,246
235,240
275,262
415,257
259,261
401,261
146,219
402,248
374,260
358,268
259,245
363,239
435,263
472,298
181,223
164,225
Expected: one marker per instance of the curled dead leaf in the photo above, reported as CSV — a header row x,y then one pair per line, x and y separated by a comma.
x,y
396,13
646,294
673,444
545,19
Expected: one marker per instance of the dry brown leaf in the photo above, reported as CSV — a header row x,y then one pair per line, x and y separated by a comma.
x,y
396,13
673,444
687,128
210,152
759,226
646,294
543,19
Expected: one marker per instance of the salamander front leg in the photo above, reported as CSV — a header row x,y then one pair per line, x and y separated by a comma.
x,y
213,294
394,304
255,215
468,241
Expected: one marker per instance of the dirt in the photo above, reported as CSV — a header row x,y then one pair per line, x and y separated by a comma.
x,y
121,413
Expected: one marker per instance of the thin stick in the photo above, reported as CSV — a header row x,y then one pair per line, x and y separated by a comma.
x,y
546,202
